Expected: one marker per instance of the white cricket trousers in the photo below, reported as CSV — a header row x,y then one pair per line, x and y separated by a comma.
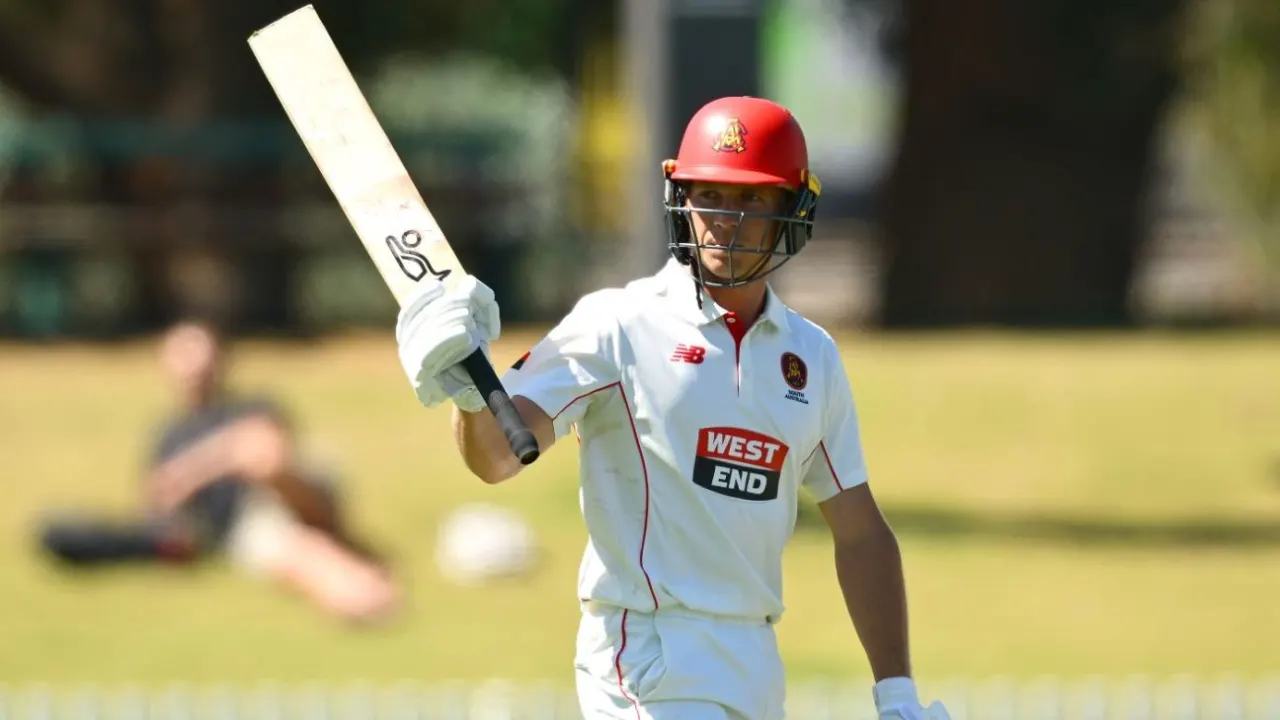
x,y
676,664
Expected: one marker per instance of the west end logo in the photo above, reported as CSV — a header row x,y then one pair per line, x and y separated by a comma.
x,y
796,374
739,463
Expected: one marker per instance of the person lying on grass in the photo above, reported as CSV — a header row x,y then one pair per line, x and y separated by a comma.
x,y
225,480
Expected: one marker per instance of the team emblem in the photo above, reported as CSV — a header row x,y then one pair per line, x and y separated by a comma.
x,y
794,371
733,138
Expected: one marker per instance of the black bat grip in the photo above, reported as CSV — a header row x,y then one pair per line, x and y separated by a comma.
x,y
519,436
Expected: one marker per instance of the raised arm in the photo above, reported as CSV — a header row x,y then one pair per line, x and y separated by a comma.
x,y
551,385
484,447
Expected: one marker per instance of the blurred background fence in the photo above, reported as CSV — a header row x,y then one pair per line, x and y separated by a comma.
x,y
1135,698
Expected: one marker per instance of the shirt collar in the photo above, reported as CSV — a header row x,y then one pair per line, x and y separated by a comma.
x,y
679,286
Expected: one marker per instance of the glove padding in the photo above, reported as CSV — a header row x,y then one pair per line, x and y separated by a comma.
x,y
437,330
896,699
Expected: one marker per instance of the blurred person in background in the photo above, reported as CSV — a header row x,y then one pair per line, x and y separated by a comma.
x,y
225,479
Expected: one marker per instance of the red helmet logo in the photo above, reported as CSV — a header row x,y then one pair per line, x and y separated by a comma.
x,y
732,139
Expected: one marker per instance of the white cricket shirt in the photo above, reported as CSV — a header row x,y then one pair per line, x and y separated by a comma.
x,y
694,440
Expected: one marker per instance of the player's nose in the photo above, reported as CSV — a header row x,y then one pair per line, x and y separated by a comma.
x,y
728,219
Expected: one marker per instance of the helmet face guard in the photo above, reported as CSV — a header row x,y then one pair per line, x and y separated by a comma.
x,y
790,232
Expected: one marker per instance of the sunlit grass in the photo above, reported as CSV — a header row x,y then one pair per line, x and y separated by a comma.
x,y
1026,439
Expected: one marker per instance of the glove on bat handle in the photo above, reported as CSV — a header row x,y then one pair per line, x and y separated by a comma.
x,y
519,436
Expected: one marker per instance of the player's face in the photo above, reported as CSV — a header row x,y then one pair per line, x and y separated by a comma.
x,y
192,359
729,236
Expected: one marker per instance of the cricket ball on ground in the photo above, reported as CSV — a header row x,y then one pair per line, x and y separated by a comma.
x,y
479,543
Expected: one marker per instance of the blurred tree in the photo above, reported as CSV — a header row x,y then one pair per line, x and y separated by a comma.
x,y
533,34
1234,100
176,117
109,68
1026,144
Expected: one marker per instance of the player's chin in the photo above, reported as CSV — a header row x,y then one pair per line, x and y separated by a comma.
x,y
717,263
720,266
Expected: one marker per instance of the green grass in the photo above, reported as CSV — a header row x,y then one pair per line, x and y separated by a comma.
x,y
1071,505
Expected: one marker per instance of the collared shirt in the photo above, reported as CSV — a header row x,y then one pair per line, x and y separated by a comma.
x,y
695,438
216,505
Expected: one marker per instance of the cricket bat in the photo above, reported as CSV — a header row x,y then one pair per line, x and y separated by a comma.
x,y
369,180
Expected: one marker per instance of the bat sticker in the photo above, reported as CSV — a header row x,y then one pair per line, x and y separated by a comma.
x,y
412,263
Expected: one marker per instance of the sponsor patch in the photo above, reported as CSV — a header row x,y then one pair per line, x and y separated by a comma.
x,y
739,463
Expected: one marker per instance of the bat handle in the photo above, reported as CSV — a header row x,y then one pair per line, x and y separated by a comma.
x,y
519,436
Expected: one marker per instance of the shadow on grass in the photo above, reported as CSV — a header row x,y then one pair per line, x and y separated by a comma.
x,y
932,522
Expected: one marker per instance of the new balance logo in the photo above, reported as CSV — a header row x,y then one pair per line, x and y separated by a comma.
x,y
689,353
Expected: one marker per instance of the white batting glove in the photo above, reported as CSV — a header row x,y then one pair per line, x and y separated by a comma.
x,y
436,330
897,699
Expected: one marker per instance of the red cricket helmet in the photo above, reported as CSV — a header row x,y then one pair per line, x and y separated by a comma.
x,y
742,141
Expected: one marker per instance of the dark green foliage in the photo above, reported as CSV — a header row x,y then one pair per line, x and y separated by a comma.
x,y
1234,78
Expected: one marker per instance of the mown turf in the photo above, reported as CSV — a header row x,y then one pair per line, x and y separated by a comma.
x,y
1071,505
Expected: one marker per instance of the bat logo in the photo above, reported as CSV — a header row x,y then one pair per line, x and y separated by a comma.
x,y
412,263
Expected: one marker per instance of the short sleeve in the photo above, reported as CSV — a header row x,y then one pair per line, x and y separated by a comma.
x,y
564,372
838,462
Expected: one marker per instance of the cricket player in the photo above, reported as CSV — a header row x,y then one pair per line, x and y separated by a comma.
x,y
702,405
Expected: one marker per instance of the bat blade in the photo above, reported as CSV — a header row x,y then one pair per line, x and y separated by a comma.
x,y
370,182
352,151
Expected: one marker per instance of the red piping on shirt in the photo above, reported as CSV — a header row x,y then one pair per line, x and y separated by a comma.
x,y
644,470
831,467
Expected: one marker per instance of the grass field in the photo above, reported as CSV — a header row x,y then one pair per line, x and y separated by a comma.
x,y
1071,505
